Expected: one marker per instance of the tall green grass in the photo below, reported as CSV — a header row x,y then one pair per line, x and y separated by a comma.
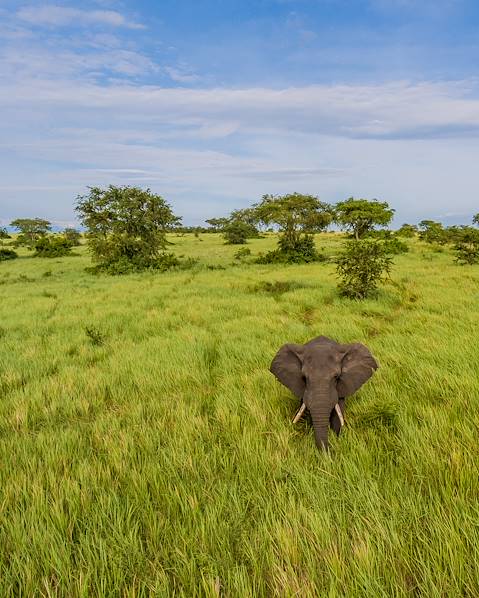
x,y
145,449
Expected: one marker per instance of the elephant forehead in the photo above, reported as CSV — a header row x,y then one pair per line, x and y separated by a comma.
x,y
321,359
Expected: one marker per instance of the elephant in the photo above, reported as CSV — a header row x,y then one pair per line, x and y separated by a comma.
x,y
322,373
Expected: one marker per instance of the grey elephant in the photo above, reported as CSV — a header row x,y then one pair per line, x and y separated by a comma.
x,y
322,373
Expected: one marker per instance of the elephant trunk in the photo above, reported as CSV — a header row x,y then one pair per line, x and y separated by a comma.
x,y
320,409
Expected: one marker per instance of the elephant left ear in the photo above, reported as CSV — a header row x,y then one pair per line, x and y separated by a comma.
x,y
357,367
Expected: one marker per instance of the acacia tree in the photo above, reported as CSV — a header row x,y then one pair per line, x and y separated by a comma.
x,y
407,230
359,216
294,214
475,219
217,224
31,229
126,227
432,232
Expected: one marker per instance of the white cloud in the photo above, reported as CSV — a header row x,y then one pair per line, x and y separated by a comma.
x,y
209,150
59,16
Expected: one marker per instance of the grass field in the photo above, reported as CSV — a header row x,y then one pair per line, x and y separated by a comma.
x,y
146,450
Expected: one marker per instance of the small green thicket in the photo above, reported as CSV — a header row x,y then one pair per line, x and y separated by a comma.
x,y
237,232
297,251
73,236
361,267
126,229
242,253
7,254
467,246
52,246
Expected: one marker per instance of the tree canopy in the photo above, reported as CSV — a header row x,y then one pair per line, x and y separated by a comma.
x,y
475,219
125,225
294,214
359,216
31,229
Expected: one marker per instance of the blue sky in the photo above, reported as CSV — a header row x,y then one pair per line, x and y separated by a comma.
x,y
213,103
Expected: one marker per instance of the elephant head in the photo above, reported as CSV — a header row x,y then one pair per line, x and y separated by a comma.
x,y
322,373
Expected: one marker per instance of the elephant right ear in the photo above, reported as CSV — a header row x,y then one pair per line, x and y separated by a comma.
x,y
286,366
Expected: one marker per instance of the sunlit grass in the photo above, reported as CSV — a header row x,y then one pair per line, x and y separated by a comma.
x,y
161,460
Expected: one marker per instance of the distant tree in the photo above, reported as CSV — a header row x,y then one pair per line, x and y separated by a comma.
x,y
467,246
217,224
295,214
432,232
475,219
248,216
31,229
126,228
4,234
361,266
359,216
236,232
53,246
407,230
72,235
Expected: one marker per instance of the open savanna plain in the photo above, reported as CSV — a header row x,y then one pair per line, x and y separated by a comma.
x,y
146,450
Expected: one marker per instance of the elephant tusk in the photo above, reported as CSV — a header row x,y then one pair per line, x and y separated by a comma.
x,y
299,413
337,408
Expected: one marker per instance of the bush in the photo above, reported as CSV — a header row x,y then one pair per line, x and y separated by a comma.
x,y
242,253
72,235
301,251
164,262
407,230
395,246
362,265
52,247
7,254
467,247
4,234
236,233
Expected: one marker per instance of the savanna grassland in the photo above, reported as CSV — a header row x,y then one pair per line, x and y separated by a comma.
x,y
146,450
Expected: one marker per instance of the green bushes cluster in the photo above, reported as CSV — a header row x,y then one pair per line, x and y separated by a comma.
x,y
7,254
301,250
361,266
52,246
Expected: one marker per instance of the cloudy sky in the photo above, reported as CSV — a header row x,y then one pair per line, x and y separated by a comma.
x,y
212,103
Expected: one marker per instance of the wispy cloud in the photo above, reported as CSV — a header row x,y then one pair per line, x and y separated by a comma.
x,y
60,16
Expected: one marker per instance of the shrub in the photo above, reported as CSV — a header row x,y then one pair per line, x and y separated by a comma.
x,y
7,254
467,247
300,251
236,233
407,230
97,338
54,246
72,235
433,232
4,234
242,253
395,246
362,265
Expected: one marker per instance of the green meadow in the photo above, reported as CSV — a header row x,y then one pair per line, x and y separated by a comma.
x,y
146,450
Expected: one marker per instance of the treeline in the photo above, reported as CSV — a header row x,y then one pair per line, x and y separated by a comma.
x,y
126,231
